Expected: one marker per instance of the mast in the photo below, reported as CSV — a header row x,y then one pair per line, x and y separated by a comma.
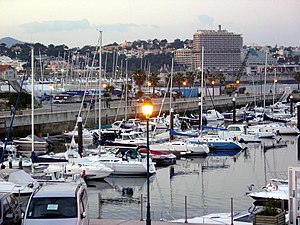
x,y
265,83
274,89
32,99
100,81
202,92
171,83
126,88
41,68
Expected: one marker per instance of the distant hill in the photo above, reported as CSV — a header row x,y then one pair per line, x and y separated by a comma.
x,y
10,41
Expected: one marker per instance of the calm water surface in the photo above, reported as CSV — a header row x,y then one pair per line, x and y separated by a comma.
x,y
208,183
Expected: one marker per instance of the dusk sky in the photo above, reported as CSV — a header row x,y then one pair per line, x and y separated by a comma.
x,y
75,23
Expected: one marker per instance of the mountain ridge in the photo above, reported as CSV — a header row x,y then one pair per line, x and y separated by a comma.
x,y
9,41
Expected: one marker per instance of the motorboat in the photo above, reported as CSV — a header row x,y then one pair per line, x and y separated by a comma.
x,y
215,142
88,169
277,128
125,164
24,145
181,147
213,115
161,158
241,133
17,181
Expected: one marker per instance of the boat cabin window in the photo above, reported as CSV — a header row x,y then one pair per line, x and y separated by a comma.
x,y
234,129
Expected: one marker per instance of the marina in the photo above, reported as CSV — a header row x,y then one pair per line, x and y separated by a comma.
x,y
208,182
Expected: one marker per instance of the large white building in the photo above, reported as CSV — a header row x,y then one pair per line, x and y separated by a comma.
x,y
222,51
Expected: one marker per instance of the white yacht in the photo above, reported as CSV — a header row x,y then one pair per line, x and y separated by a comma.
x,y
128,166
83,166
182,147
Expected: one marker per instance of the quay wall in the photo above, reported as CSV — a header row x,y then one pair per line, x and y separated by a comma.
x,y
57,121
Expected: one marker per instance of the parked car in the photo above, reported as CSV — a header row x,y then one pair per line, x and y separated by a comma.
x,y
10,209
65,203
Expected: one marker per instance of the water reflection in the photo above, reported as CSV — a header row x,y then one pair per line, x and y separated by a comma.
x,y
208,182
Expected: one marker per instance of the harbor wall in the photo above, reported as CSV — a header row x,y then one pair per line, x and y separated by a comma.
x,y
57,121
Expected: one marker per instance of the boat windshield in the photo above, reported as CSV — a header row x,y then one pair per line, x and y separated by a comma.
x,y
52,207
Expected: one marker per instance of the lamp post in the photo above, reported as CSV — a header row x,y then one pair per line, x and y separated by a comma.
x,y
147,109
233,112
184,83
51,97
149,85
237,84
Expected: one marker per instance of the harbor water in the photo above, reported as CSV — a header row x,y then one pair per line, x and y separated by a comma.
x,y
208,183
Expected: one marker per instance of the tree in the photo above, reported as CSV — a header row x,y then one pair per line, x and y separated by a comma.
x,y
190,78
221,78
297,78
154,80
139,77
178,79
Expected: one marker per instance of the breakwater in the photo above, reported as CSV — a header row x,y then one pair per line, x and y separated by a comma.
x,y
64,119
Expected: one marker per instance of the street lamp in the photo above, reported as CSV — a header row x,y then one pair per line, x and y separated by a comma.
x,y
51,97
147,109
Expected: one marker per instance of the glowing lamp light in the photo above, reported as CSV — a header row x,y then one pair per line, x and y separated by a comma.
x,y
147,107
104,85
184,83
212,82
237,81
149,83
275,80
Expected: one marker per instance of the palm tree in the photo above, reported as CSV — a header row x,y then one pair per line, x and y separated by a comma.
x,y
297,78
178,79
154,80
190,78
139,77
221,78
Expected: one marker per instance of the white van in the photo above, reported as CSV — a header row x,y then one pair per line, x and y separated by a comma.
x,y
65,203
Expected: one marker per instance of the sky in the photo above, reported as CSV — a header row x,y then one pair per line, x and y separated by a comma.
x,y
76,23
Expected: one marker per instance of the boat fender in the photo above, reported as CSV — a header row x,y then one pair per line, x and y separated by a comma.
x,y
83,174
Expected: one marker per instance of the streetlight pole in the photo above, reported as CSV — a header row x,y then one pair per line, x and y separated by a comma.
x,y
213,87
233,113
147,109
51,97
148,218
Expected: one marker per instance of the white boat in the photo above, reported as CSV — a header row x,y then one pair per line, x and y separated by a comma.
x,y
181,147
277,128
24,144
88,169
87,136
133,137
136,167
17,181
241,133
26,162
213,115
260,132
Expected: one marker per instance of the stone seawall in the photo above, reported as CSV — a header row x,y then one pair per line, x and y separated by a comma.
x,y
58,121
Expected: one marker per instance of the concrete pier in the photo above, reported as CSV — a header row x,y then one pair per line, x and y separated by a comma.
x,y
64,117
